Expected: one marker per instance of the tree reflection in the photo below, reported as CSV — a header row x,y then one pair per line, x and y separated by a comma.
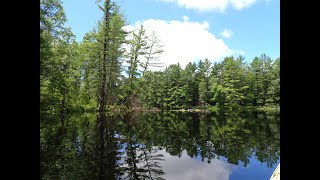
x,y
234,136
74,149
108,147
143,160
97,146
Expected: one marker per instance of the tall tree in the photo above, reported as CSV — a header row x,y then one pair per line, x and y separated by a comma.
x,y
116,52
176,97
52,20
190,85
228,92
90,65
204,70
274,89
137,48
106,21
59,75
260,83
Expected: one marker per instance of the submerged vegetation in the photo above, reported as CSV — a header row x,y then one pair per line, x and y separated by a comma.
x,y
110,70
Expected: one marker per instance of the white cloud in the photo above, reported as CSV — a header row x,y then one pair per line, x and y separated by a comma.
x,y
186,41
202,5
240,4
212,5
185,18
227,33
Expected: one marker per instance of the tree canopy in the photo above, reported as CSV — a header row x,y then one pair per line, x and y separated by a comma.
x,y
116,69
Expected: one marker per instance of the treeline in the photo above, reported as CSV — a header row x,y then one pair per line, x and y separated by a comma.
x,y
230,84
111,69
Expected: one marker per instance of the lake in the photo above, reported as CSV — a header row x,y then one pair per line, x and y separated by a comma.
x,y
161,145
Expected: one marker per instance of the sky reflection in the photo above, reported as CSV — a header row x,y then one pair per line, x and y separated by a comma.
x,y
188,168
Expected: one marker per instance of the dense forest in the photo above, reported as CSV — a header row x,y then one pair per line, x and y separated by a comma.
x,y
112,69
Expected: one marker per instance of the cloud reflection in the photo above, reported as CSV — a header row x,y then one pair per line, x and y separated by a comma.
x,y
189,169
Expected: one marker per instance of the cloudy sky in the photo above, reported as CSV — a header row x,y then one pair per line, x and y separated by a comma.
x,y
191,30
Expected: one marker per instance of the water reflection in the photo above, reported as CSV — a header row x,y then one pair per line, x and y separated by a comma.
x,y
140,160
157,145
189,169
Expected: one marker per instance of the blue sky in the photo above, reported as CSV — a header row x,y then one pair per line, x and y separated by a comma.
x,y
193,30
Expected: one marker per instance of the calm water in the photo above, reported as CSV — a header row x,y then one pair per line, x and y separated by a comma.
x,y
162,145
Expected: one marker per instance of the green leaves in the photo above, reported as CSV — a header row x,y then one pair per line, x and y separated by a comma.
x,y
72,75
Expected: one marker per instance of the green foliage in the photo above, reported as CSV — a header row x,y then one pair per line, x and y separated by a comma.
x,y
261,69
230,85
111,67
59,78
228,90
